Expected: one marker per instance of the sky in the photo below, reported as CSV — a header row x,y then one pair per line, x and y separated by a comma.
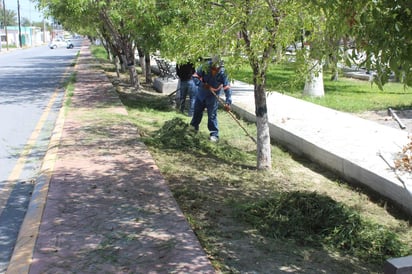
x,y
27,9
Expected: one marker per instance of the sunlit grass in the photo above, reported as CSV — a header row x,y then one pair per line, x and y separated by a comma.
x,y
346,94
99,52
69,87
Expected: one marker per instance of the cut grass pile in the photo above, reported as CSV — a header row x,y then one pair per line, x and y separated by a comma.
x,y
312,219
177,134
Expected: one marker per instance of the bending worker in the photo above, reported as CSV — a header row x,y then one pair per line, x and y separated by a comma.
x,y
212,80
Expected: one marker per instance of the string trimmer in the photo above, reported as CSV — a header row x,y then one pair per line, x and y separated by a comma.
x,y
220,100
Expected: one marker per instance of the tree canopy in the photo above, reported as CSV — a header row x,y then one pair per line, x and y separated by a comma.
x,y
255,31
9,18
383,30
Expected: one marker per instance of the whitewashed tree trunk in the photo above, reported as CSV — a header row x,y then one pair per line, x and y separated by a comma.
x,y
264,156
142,60
314,82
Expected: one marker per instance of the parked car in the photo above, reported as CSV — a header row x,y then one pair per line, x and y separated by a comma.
x,y
60,42
69,44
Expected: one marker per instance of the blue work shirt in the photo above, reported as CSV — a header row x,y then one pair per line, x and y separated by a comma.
x,y
207,79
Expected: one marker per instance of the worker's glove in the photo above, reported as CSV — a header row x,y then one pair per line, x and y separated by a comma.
x,y
209,87
227,107
212,89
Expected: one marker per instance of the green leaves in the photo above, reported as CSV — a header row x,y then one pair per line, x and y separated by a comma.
x,y
383,31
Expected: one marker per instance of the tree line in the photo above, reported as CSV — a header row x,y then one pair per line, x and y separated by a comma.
x,y
10,18
378,32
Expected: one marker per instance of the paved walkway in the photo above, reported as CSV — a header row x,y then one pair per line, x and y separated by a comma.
x,y
103,206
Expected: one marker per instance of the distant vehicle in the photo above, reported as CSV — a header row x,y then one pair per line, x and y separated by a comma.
x,y
294,47
69,44
60,42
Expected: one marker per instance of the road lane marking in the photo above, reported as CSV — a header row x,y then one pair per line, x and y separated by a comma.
x,y
18,167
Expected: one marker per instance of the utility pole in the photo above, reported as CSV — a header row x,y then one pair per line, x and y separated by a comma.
x,y
5,25
44,30
18,12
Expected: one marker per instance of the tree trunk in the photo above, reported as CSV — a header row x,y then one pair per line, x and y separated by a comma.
x,y
134,78
259,68
123,63
335,68
141,60
335,74
314,82
106,46
148,70
130,61
124,46
116,65
264,157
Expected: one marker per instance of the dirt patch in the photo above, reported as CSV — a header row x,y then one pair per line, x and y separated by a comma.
x,y
385,118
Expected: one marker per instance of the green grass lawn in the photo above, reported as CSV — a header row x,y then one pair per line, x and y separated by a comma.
x,y
346,94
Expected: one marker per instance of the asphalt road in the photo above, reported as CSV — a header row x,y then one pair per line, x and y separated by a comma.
x,y
31,95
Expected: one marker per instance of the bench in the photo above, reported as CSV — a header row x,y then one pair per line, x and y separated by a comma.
x,y
402,265
166,69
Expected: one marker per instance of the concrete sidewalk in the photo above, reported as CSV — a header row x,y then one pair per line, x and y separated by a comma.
x,y
360,150
101,205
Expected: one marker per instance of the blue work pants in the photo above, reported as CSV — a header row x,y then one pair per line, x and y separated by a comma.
x,y
187,88
211,104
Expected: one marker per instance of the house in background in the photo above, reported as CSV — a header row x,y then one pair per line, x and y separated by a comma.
x,y
30,36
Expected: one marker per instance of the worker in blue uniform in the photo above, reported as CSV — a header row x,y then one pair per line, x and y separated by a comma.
x,y
212,81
